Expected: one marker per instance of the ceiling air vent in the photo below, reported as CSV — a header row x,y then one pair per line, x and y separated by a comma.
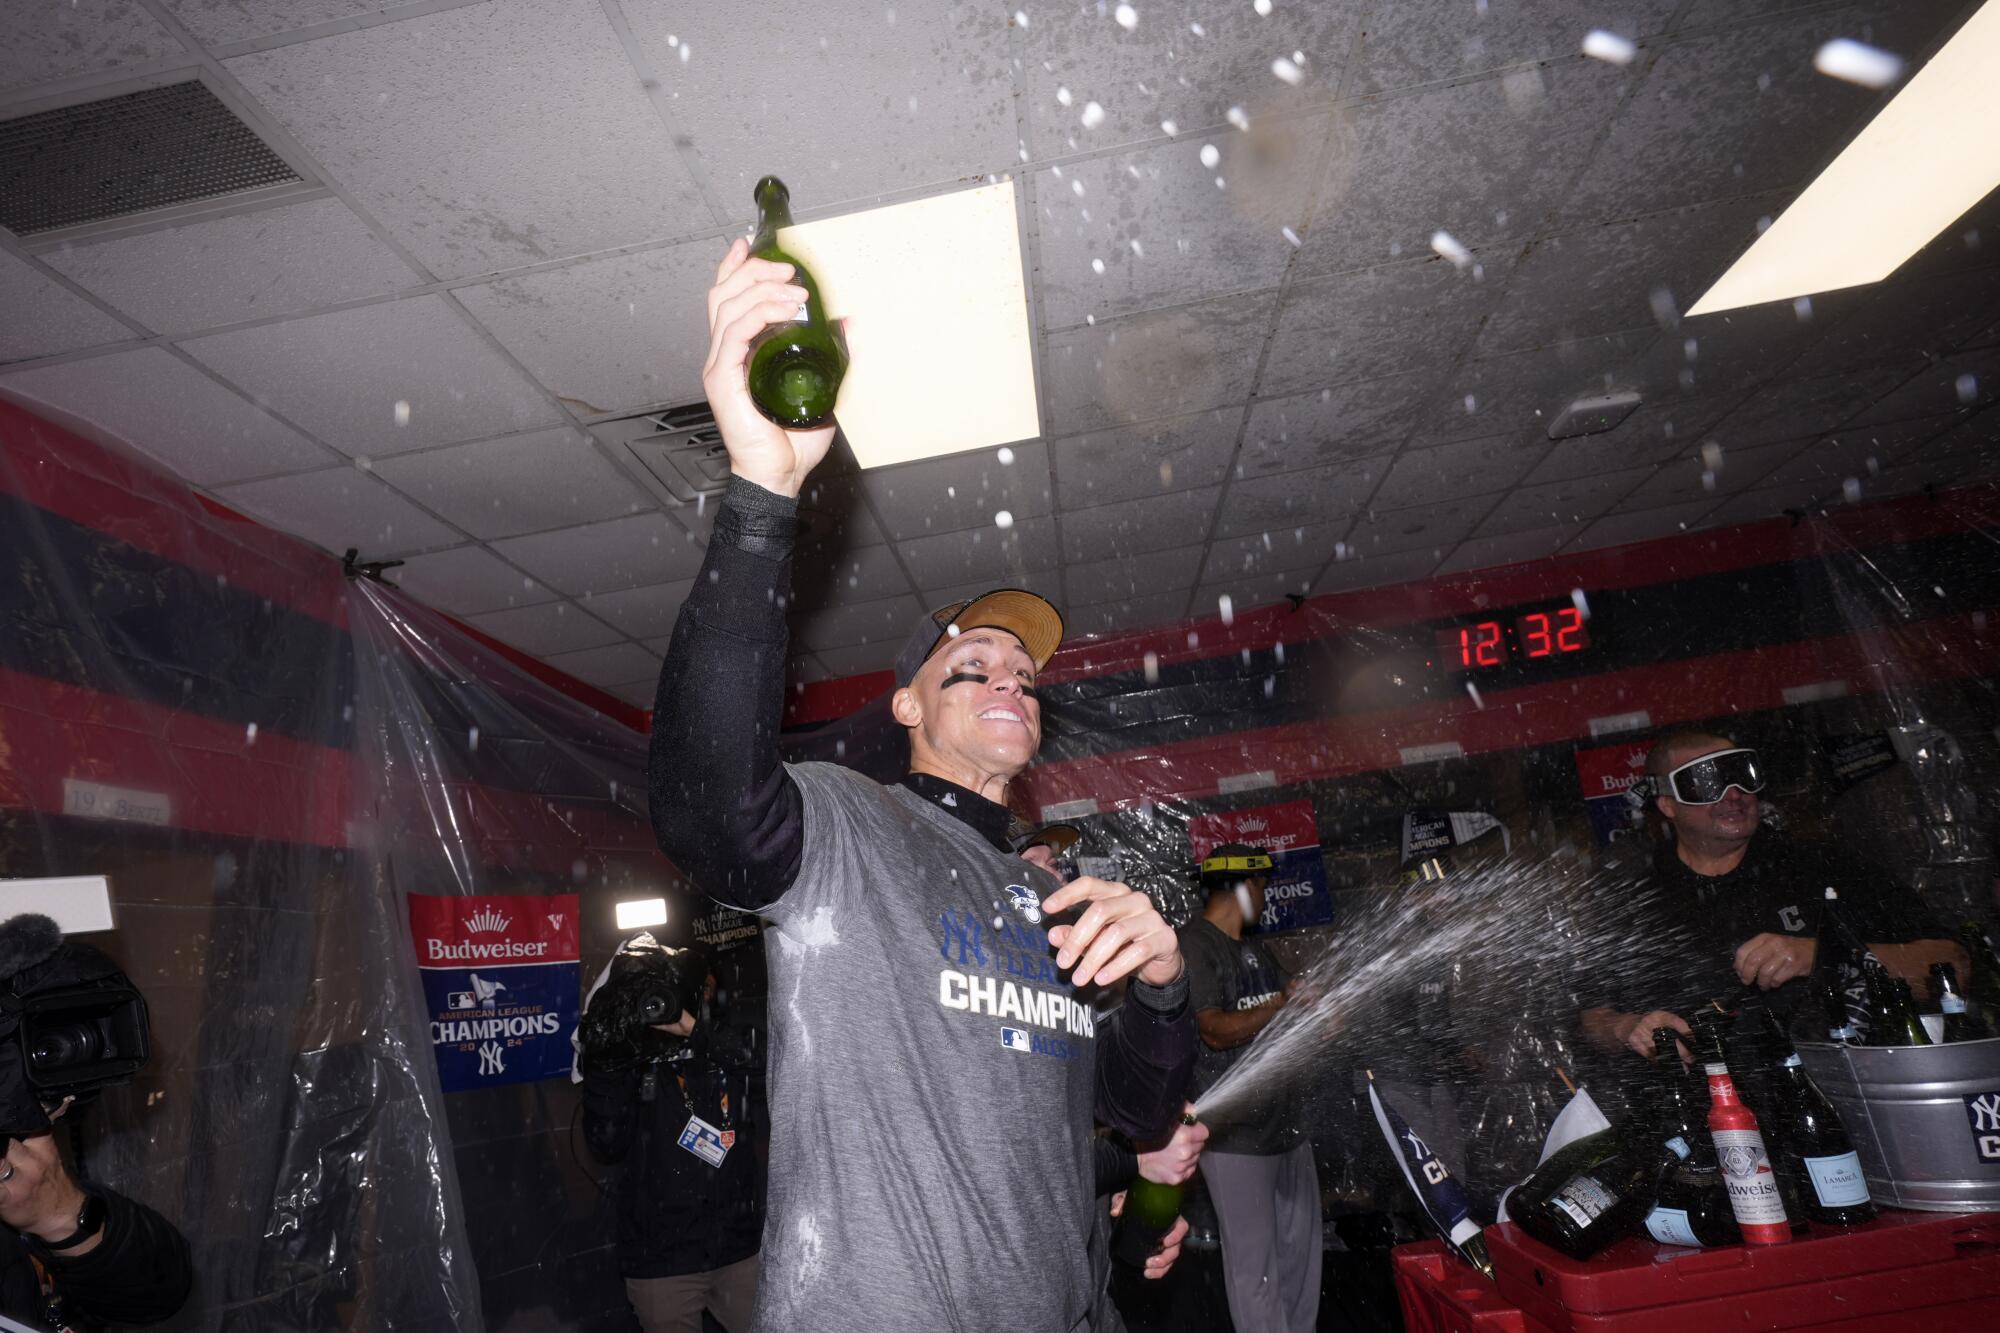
x,y
128,154
679,451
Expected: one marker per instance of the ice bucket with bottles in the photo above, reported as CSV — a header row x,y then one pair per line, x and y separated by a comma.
x,y
1924,1119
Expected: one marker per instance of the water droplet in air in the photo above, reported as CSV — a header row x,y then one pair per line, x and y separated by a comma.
x,y
402,413
1968,388
1006,456
686,51
1850,490
1665,312
1291,236
1002,519
1062,96
1237,117
1448,245
1263,8
1608,47
1137,248
472,739
250,734
1097,267
1711,456
1856,62
1227,608
1128,17
1151,663
1197,30
1168,128
1580,602
1020,18
1210,155
1802,308
1288,71
1093,116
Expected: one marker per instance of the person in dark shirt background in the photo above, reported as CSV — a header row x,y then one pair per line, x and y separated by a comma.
x,y
1747,901
1258,1164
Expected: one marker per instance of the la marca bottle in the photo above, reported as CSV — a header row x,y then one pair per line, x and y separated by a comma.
x,y
796,366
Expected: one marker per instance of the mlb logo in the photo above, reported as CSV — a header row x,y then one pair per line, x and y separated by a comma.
x,y
461,999
1014,1039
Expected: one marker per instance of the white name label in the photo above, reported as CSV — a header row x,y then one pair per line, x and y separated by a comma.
x,y
94,800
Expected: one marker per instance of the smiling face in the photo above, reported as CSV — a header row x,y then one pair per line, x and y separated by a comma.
x,y
971,732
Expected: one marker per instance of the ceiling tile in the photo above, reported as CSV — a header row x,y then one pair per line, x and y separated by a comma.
x,y
1762,503
860,659
40,43
343,507
1509,548
1558,503
1046,583
821,577
1433,527
1162,70
1470,467
1854,452
1404,43
961,490
871,98
216,22
1524,390
164,407
1194,240
1644,525
1690,476
1959,383
1980,434
609,335
1495,156
552,627
341,374
1288,500
1793,409
1246,591
247,266
610,666
638,693
1138,461
1622,275
888,621
628,552
45,318
1376,571
1134,576
644,613
1377,322
803,669
831,505
1133,527
1650,435
999,557
527,483
1152,366
1350,421
1767,120
1305,548
1127,614
486,137
1716,356
1907,319
464,581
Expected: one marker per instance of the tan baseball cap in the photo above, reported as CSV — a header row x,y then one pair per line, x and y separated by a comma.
x,y
1032,619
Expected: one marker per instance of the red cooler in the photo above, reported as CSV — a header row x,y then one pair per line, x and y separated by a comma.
x,y
1927,1272
1440,1294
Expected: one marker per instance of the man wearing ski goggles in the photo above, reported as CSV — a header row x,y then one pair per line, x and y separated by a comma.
x,y
1754,894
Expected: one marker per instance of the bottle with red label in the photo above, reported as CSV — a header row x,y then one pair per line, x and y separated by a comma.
x,y
1739,1146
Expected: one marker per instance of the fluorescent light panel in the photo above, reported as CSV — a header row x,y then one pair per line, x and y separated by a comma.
x,y
935,288
1931,154
639,913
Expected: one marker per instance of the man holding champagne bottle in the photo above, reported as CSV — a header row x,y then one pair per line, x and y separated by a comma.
x,y
935,1061
1752,900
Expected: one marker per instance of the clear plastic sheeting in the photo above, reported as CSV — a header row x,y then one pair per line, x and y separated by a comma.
x,y
266,760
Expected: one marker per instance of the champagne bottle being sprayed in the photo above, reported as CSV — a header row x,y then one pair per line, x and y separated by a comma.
x,y
1149,1214
1739,1146
796,366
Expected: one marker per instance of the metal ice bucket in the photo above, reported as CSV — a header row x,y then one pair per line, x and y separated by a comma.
x,y
1924,1119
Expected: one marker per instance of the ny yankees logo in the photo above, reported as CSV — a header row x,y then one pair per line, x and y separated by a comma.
x,y
489,1059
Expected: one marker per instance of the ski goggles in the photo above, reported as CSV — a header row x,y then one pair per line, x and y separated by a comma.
x,y
1706,780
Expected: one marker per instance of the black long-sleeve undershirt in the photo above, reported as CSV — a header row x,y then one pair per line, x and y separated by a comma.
x,y
728,813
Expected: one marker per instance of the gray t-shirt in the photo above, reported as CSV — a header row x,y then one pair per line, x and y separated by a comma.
x,y
932,1080
1234,975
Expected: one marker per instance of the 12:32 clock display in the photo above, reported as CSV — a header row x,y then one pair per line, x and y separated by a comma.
x,y
1524,637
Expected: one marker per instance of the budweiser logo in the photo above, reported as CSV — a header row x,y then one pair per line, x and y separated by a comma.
x,y
487,919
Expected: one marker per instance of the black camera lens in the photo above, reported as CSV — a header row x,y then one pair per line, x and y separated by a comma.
x,y
64,1046
652,1008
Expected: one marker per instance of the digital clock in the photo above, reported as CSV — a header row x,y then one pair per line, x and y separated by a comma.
x,y
1528,637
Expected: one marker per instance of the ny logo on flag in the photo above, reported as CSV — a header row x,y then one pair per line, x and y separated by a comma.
x,y
489,1059
1983,1110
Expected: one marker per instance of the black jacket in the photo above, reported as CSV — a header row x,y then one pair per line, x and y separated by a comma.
x,y
139,1274
676,1213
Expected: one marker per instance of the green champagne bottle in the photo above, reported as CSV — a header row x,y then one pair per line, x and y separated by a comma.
x,y
796,366
1149,1214
1960,1022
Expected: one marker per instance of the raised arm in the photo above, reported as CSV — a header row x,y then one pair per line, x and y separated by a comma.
x,y
723,807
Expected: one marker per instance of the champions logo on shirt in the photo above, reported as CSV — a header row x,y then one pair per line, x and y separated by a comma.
x,y
1001,967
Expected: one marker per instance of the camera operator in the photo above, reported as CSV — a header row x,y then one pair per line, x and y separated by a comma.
x,y
84,1255
668,1100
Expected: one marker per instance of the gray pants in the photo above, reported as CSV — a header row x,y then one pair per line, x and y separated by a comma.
x,y
1268,1209
674,1304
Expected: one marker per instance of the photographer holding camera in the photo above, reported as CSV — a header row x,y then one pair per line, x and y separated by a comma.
x,y
666,1095
71,1023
